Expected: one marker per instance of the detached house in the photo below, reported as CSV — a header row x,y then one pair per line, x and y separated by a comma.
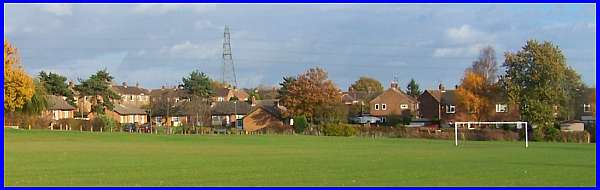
x,y
393,102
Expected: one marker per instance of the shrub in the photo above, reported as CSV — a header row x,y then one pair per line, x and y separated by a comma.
x,y
300,123
339,130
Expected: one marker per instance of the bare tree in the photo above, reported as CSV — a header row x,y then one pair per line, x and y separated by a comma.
x,y
486,64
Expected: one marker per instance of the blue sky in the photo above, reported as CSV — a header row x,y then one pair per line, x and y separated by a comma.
x,y
158,44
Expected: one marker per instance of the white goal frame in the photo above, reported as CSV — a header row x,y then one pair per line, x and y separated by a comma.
x,y
468,123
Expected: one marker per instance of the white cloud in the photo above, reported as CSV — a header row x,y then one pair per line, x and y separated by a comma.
x,y
468,51
466,34
58,9
204,24
191,50
167,8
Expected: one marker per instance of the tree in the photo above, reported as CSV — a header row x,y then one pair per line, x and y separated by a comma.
x,y
97,87
283,90
198,84
38,102
18,86
478,87
200,87
486,64
537,79
471,94
367,84
309,92
56,85
413,88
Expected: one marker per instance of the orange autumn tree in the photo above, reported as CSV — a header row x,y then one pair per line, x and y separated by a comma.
x,y
309,94
18,86
472,95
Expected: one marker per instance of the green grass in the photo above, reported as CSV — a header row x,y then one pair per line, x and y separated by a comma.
x,y
52,158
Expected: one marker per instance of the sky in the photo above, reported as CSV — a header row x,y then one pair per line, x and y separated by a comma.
x,y
157,44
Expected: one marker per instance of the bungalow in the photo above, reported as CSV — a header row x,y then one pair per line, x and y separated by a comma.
x,y
174,97
226,113
393,102
264,117
59,108
125,114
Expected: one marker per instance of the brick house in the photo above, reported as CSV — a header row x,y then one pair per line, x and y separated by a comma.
x,y
393,102
132,95
59,108
226,113
265,117
126,114
175,97
587,111
225,94
442,104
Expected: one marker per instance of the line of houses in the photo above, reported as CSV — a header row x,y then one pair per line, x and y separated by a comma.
x,y
252,115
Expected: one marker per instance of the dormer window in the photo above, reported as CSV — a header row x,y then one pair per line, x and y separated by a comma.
x,y
383,107
376,106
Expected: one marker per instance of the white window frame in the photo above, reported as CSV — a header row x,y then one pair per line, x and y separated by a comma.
x,y
220,99
383,106
376,106
450,109
403,106
501,108
587,108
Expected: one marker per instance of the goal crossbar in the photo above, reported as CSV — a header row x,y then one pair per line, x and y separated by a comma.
x,y
469,123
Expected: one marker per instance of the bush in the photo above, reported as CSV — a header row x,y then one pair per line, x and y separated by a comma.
x,y
338,130
590,127
300,123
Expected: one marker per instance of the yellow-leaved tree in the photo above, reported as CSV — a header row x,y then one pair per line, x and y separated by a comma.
x,y
18,86
471,95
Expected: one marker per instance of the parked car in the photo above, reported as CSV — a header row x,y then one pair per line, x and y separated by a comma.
x,y
130,127
365,119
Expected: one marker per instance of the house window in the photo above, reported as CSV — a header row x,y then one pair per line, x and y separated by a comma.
x,y
383,107
122,119
220,99
403,106
65,114
376,106
587,108
55,113
175,119
450,109
131,119
501,108
131,97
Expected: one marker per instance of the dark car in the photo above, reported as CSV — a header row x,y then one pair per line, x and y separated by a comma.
x,y
130,127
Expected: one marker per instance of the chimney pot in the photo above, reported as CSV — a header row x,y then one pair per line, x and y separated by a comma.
x,y
125,84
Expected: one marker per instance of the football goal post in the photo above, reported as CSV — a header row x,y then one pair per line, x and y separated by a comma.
x,y
469,123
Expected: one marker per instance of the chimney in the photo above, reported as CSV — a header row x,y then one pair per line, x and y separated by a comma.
x,y
455,86
125,84
394,85
441,87
137,84
71,84
162,87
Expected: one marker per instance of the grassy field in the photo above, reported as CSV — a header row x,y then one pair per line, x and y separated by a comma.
x,y
51,158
